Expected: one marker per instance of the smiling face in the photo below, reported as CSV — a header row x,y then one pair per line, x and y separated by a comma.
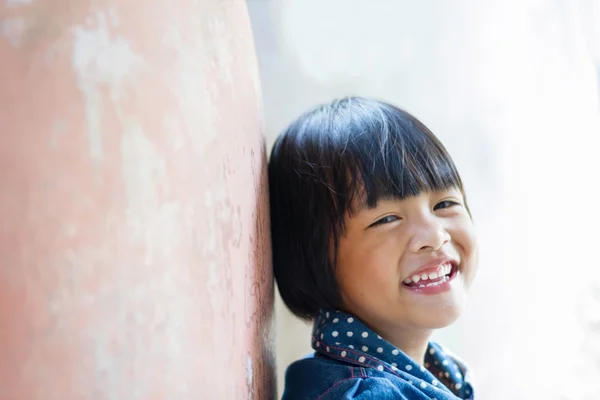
x,y
327,254
406,264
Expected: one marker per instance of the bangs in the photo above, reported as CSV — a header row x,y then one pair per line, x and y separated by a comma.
x,y
381,152
408,161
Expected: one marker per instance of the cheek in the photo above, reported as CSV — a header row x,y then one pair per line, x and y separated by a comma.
x,y
368,262
465,239
353,260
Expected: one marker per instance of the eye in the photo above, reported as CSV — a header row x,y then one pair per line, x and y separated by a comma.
x,y
445,204
386,220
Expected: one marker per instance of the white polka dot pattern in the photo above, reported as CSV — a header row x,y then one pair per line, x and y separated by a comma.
x,y
334,335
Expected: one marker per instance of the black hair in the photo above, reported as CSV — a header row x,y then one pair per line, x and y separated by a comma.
x,y
351,149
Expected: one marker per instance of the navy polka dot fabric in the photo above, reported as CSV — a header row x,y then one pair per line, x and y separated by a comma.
x,y
343,337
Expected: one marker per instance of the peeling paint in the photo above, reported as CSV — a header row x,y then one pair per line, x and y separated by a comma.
x,y
16,3
249,376
224,58
114,17
12,29
189,81
100,60
172,126
143,168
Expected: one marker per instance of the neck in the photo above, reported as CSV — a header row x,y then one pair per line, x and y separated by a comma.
x,y
412,342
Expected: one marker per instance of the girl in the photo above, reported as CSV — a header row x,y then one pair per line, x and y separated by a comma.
x,y
373,241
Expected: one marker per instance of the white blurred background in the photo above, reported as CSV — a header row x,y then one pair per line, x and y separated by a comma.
x,y
512,88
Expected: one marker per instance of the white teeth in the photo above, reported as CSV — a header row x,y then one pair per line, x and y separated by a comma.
x,y
443,280
445,269
442,274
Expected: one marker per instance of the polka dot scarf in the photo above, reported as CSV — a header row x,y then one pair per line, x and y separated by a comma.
x,y
342,336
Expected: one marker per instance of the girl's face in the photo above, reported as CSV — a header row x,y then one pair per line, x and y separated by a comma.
x,y
408,263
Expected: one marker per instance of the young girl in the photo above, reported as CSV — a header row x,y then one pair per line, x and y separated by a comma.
x,y
373,241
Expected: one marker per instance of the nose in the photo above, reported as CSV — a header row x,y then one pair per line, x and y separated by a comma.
x,y
429,234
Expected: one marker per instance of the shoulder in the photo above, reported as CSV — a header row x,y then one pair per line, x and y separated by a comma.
x,y
367,388
321,378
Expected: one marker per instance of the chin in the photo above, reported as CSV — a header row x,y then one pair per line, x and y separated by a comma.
x,y
444,321
444,317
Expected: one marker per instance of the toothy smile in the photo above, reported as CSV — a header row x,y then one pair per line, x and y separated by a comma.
x,y
432,277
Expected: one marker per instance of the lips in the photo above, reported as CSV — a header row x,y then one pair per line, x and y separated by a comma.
x,y
432,276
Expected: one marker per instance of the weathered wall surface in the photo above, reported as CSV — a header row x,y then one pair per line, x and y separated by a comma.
x,y
134,249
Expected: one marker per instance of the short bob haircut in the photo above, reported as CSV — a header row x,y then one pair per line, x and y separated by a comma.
x,y
352,149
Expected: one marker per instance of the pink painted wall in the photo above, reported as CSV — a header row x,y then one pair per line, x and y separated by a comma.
x,y
134,250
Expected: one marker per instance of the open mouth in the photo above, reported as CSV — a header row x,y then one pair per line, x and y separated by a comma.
x,y
444,273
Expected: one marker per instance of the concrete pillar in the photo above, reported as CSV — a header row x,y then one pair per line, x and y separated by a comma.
x,y
134,248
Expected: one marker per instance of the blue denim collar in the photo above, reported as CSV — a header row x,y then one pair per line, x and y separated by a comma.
x,y
344,337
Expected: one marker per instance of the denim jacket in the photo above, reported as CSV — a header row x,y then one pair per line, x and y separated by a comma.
x,y
353,362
